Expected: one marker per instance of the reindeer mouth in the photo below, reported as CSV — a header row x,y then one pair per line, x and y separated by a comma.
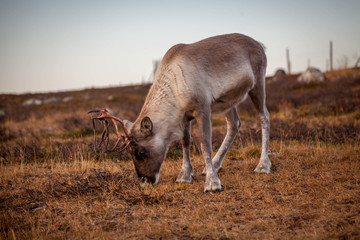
x,y
149,180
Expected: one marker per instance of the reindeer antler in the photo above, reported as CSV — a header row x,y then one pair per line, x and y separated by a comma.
x,y
104,114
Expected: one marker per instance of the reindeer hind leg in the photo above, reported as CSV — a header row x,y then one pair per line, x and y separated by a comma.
x,y
257,96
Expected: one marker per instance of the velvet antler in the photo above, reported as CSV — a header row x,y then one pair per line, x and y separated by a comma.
x,y
104,115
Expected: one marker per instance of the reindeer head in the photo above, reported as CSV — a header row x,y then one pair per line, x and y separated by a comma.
x,y
147,149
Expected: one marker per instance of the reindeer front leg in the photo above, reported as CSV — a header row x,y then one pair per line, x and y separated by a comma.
x,y
212,182
187,172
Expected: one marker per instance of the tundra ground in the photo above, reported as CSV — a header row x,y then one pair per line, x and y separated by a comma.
x,y
53,186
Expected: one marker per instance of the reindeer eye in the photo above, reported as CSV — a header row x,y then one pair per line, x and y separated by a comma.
x,y
140,153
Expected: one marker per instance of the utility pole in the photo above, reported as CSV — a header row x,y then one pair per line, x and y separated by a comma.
x,y
331,56
327,65
288,61
357,63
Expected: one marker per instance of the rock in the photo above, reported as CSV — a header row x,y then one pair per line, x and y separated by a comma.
x,y
311,74
67,99
279,74
31,102
52,100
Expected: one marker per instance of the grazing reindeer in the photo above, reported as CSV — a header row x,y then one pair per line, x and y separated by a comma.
x,y
192,82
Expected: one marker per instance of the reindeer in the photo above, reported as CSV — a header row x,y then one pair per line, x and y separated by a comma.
x,y
193,81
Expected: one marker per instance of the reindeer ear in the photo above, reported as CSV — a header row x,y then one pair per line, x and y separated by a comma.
x,y
146,125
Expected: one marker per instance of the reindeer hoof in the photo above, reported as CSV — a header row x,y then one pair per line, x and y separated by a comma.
x,y
263,168
216,191
185,177
212,183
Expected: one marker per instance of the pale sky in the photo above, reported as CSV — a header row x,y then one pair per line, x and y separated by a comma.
x,y
48,45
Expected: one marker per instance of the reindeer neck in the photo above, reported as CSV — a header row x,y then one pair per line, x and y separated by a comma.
x,y
162,108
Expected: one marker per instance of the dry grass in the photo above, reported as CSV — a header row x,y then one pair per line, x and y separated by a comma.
x,y
313,192
52,186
